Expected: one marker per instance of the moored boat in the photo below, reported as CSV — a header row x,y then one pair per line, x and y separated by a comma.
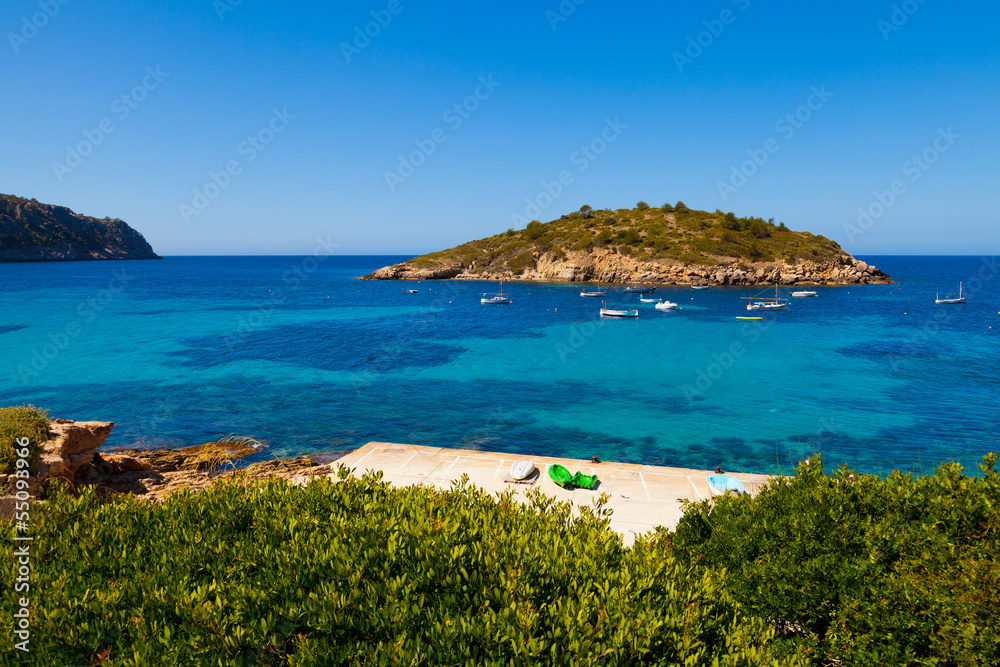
x,y
666,305
951,299
615,312
489,298
802,293
775,304
638,290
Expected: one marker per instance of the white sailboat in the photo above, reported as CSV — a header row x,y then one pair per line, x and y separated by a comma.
x,y
951,299
776,304
490,298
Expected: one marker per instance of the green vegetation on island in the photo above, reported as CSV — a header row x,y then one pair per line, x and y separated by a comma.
x,y
670,232
33,232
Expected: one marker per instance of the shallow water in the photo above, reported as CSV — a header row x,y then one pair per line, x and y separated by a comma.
x,y
295,352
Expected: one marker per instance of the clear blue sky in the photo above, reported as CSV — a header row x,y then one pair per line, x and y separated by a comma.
x,y
888,95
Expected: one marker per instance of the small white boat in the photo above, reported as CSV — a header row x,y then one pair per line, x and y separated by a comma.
x,y
700,286
951,299
666,305
522,469
611,312
776,304
600,292
488,298
645,300
412,291
805,293
638,290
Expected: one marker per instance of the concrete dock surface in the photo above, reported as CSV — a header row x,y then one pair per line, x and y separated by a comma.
x,y
642,497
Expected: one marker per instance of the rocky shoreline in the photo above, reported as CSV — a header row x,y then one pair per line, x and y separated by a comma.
x,y
70,455
612,267
31,231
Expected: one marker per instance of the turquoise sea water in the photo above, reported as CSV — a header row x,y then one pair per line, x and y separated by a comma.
x,y
297,353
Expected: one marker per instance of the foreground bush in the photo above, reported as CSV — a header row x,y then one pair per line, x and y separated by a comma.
x,y
896,571
23,421
358,572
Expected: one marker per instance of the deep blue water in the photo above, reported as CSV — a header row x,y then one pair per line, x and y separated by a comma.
x,y
297,353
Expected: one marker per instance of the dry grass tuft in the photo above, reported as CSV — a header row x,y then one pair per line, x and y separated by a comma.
x,y
216,455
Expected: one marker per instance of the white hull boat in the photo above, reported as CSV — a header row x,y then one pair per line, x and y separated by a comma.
x,y
600,292
776,304
958,299
494,299
666,305
522,469
612,312
804,293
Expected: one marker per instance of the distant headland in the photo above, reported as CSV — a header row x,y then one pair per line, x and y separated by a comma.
x,y
671,244
34,232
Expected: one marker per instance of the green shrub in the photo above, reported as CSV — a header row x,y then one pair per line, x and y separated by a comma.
x,y
534,230
25,421
894,571
358,572
523,261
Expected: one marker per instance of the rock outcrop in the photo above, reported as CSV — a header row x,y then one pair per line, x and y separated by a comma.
x,y
32,232
610,266
70,455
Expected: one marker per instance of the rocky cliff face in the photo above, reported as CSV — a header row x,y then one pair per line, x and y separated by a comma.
x,y
33,232
69,455
611,266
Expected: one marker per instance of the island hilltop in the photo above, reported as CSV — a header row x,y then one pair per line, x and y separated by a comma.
x,y
34,232
671,244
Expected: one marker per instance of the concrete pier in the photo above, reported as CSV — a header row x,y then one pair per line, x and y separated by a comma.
x,y
642,496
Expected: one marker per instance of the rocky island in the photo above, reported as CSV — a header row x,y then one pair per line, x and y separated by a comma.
x,y
671,245
34,232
